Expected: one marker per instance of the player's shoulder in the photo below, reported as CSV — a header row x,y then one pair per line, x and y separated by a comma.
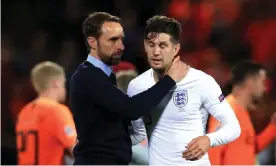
x,y
56,111
64,110
25,111
35,109
200,76
59,108
232,102
51,107
140,83
144,77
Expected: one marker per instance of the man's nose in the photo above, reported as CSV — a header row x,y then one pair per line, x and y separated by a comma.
x,y
121,46
156,51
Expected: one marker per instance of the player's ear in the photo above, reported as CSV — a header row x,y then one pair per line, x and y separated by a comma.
x,y
92,41
176,49
145,45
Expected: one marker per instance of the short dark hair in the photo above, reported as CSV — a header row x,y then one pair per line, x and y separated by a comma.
x,y
244,69
163,24
92,25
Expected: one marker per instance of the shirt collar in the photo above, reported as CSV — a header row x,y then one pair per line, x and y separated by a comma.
x,y
99,64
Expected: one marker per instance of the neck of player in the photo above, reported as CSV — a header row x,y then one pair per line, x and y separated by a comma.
x,y
50,94
242,97
158,75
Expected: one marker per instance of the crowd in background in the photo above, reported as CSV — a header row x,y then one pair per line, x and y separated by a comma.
x,y
216,35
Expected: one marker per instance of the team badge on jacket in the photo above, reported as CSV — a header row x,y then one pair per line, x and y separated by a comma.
x,y
180,98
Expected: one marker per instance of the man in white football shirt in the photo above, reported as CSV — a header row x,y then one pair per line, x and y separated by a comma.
x,y
176,129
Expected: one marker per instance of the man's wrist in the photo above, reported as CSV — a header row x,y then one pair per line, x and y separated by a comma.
x,y
208,140
209,136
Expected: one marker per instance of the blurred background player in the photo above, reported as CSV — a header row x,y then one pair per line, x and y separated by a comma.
x,y
178,122
248,88
125,72
45,128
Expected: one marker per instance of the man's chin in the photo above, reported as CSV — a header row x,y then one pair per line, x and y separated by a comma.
x,y
157,67
112,62
116,61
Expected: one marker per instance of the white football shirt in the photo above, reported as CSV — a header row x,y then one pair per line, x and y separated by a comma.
x,y
182,115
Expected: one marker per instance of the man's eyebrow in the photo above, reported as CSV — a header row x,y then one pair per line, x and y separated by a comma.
x,y
163,42
150,42
117,37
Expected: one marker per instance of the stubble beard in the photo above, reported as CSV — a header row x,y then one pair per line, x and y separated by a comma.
x,y
107,59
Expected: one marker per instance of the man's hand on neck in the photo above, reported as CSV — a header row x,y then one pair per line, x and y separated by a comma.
x,y
157,75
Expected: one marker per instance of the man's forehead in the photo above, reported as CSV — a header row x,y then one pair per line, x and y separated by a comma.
x,y
158,37
112,28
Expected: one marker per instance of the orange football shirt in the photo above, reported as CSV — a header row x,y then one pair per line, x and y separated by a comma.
x,y
44,129
244,149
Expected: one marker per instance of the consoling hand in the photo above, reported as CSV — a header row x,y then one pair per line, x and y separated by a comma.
x,y
177,70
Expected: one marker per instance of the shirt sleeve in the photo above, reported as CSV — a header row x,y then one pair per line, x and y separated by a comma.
x,y
214,102
215,153
62,126
101,90
140,155
138,133
266,137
